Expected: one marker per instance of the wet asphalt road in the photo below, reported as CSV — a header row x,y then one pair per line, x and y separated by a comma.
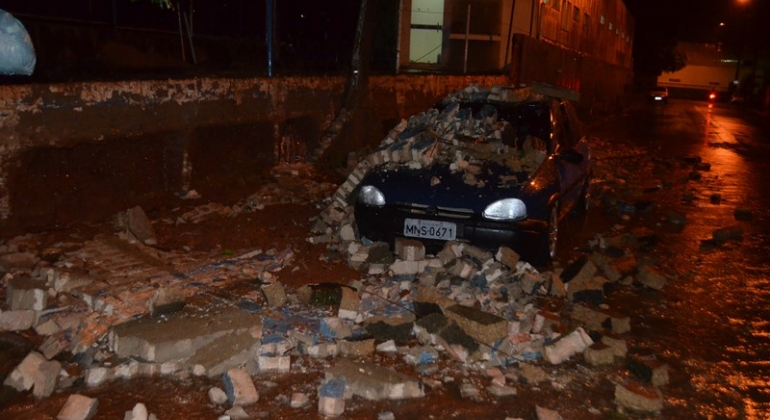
x,y
712,322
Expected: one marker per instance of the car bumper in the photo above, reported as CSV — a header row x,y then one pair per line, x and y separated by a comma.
x,y
386,224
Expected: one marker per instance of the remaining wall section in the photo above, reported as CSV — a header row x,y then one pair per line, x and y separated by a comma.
x,y
74,151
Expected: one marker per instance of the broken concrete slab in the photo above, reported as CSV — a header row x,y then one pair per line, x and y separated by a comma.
x,y
136,222
180,335
227,352
275,294
78,407
374,382
382,328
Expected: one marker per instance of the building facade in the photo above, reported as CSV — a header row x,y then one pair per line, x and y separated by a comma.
x,y
473,36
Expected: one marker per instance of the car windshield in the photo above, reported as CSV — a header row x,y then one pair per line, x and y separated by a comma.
x,y
525,118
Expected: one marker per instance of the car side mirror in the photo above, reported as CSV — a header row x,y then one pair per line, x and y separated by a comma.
x,y
571,156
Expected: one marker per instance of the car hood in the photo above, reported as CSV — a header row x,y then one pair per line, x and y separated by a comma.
x,y
473,188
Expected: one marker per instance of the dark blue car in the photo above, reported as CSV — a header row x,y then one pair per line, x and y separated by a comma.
x,y
481,170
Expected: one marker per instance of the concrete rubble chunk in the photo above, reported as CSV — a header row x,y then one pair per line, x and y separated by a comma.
x,y
581,269
349,303
507,257
17,320
633,395
651,277
240,388
26,293
484,327
299,400
139,412
374,382
564,348
331,397
180,336
501,391
619,346
275,294
53,345
547,414
97,376
135,221
22,378
237,413
217,396
356,348
533,374
17,261
587,289
78,407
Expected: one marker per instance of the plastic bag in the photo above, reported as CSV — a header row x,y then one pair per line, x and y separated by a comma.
x,y
17,55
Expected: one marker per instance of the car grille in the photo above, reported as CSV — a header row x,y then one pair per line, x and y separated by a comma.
x,y
433,211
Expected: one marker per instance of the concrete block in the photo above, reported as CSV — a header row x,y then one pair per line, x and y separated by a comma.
x,y
636,396
482,326
651,277
78,407
135,221
275,294
22,377
375,382
217,396
595,318
599,354
240,388
274,363
46,378
567,346
464,267
476,253
331,398
26,293
97,376
507,257
349,303
409,249
17,320
356,348
649,370
323,350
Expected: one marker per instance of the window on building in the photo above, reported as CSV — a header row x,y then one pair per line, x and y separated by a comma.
x,y
601,21
611,26
556,4
576,14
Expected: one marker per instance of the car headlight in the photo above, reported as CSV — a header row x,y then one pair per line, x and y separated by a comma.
x,y
508,209
371,196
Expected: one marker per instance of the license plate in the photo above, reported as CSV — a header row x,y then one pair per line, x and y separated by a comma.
x,y
430,229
